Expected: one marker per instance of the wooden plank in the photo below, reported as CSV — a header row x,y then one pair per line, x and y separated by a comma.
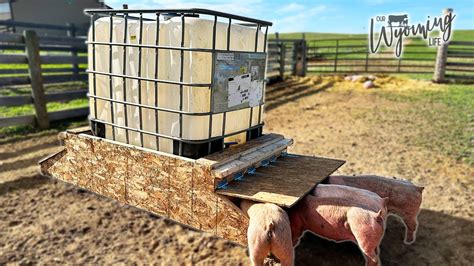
x,y
460,77
4,81
63,59
460,64
70,113
467,43
61,40
13,59
36,78
50,97
64,78
15,100
234,152
45,70
14,71
284,182
66,95
252,159
11,38
17,120
35,25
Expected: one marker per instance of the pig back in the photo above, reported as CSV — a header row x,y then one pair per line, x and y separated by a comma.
x,y
359,196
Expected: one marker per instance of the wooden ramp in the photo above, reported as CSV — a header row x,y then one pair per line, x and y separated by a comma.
x,y
284,181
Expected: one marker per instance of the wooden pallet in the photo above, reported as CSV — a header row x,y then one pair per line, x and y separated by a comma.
x,y
198,193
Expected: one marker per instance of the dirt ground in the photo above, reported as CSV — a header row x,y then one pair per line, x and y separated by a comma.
x,y
49,222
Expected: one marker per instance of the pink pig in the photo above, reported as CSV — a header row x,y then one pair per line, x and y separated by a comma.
x,y
363,197
339,220
269,231
404,197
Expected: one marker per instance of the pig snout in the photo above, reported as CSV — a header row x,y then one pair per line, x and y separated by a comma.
x,y
404,197
268,232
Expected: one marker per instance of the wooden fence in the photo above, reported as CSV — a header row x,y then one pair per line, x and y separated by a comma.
x,y
285,57
353,56
460,62
27,59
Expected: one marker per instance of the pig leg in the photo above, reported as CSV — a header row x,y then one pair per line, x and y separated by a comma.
x,y
368,242
283,247
411,223
257,253
258,246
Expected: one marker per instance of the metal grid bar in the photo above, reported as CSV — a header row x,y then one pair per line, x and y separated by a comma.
x,y
125,15
157,42
211,106
156,107
181,11
176,138
111,88
94,79
124,80
139,73
165,47
181,76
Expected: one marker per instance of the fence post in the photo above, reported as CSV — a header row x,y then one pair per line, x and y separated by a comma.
x,y
441,57
304,51
335,58
282,60
367,61
36,78
71,32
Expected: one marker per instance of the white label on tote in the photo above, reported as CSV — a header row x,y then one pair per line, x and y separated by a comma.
x,y
225,56
239,87
255,95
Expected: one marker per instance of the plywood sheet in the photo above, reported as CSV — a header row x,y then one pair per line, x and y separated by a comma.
x,y
283,182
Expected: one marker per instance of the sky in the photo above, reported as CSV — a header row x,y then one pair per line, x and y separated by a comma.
x,y
338,16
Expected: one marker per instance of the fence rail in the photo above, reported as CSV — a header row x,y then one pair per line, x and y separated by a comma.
x,y
460,62
352,55
13,25
38,60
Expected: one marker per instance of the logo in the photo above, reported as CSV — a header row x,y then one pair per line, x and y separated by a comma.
x,y
393,29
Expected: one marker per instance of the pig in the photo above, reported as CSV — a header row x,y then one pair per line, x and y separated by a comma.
x,y
339,220
269,231
361,196
368,84
404,197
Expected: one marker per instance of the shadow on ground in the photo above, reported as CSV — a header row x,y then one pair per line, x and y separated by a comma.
x,y
435,232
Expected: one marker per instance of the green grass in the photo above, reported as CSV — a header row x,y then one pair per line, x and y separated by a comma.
x,y
28,109
451,115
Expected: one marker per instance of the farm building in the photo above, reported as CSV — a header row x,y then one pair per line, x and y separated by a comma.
x,y
65,11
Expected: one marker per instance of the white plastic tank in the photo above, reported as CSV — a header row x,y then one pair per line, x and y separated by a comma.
x,y
197,68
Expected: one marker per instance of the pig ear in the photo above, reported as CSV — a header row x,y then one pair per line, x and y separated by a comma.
x,y
385,201
379,214
420,189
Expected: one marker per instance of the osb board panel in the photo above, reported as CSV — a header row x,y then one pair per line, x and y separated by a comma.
x,y
231,222
147,182
283,182
234,152
166,185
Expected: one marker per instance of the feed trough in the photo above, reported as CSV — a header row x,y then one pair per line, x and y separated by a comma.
x,y
197,180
